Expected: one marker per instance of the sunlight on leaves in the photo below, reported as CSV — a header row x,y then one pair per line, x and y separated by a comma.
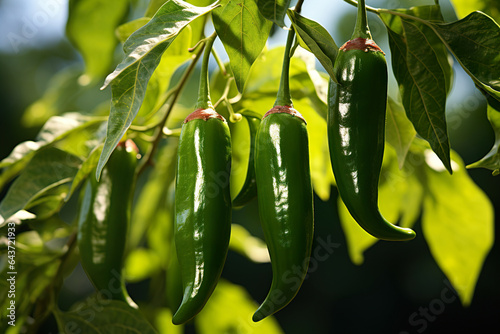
x,y
164,323
230,310
465,7
399,130
458,225
251,247
140,264
125,30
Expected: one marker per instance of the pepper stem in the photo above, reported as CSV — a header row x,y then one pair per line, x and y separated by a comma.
x,y
283,97
204,101
361,29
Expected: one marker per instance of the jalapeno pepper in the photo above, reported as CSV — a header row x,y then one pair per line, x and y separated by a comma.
x,y
356,129
202,207
202,224
103,222
285,203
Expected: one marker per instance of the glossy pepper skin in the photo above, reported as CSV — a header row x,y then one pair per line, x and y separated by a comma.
x,y
249,190
103,222
285,203
356,130
202,208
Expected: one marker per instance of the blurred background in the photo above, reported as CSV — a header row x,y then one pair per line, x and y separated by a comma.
x,y
392,292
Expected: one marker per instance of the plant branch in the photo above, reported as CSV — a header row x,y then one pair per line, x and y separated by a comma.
x,y
368,8
220,63
225,93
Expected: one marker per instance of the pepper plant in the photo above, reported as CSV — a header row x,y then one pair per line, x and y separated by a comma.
x,y
269,123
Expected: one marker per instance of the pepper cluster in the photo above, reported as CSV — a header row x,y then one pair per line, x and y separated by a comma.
x,y
278,174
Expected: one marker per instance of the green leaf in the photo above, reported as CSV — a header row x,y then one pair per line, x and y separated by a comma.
x,y
85,169
416,53
49,168
319,155
229,310
457,223
172,58
124,31
243,32
247,245
56,129
164,322
320,80
50,203
91,28
274,10
103,316
140,264
317,39
399,130
143,49
492,159
45,243
475,43
465,7
154,5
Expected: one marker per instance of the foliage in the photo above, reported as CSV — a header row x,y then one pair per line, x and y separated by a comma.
x,y
150,98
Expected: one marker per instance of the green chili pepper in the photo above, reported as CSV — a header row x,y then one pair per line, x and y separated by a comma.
x,y
103,222
202,207
285,203
356,129
249,190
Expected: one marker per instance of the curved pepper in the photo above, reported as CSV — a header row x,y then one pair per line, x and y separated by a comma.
x,y
104,220
249,190
285,203
202,208
356,129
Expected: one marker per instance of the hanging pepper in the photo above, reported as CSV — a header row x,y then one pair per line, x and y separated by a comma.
x,y
285,203
103,222
356,129
249,190
202,200
284,194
